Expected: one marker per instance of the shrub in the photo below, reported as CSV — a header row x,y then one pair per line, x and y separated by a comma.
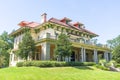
x,y
19,64
117,65
74,63
89,63
27,63
42,63
60,64
101,67
107,64
53,64
47,64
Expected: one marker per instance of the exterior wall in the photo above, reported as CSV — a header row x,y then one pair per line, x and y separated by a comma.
x,y
17,40
14,59
48,33
52,47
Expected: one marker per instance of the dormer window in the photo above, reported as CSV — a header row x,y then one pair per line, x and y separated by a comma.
x,y
78,24
66,20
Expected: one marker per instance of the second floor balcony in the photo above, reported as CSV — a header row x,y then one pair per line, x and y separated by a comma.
x,y
77,41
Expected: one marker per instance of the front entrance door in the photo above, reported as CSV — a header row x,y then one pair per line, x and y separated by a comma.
x,y
73,56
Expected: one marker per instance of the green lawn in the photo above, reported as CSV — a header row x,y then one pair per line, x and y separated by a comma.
x,y
59,73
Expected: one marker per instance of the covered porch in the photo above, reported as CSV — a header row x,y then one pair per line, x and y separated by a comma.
x,y
89,55
45,51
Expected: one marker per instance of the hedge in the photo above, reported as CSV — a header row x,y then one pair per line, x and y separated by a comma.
x,y
53,64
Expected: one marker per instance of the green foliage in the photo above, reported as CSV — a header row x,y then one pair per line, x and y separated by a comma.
x,y
6,44
80,63
114,42
115,46
27,46
63,46
2,61
19,64
101,67
89,63
117,65
53,64
102,62
116,54
41,63
74,63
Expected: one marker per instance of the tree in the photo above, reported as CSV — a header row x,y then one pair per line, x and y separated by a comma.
x,y
115,46
63,46
6,44
114,42
2,61
116,53
3,54
27,46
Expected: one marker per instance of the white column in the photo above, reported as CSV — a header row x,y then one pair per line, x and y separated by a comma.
x,y
95,56
45,51
13,57
84,51
106,56
67,59
82,55
110,56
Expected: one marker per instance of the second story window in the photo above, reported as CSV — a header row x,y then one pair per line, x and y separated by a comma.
x,y
48,35
56,35
15,41
38,38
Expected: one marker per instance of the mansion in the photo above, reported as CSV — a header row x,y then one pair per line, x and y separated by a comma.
x,y
46,33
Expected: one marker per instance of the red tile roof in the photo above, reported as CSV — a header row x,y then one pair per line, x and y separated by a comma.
x,y
57,21
77,24
65,19
54,20
28,24
70,25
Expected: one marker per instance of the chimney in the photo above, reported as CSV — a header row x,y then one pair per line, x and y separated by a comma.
x,y
43,18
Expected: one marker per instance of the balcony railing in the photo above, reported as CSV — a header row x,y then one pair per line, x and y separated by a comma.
x,y
88,42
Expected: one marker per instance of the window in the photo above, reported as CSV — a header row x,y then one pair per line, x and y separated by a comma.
x,y
87,42
38,38
56,35
15,41
48,35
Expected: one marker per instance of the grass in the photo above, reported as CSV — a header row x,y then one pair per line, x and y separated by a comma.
x,y
58,73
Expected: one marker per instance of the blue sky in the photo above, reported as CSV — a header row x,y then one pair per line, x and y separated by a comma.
x,y
99,16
